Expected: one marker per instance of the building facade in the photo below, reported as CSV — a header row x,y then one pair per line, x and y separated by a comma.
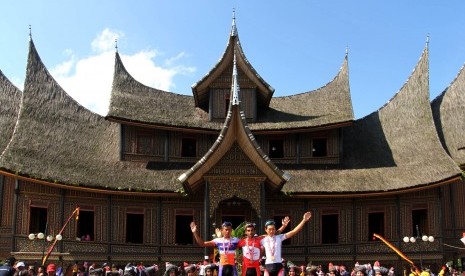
x,y
231,151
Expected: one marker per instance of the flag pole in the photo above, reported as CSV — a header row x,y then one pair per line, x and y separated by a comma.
x,y
50,249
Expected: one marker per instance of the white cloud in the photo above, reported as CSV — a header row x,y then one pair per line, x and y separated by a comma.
x,y
88,80
171,60
65,67
105,41
90,84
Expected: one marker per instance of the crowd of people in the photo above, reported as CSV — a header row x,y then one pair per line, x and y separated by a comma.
x,y
261,256
13,267
290,269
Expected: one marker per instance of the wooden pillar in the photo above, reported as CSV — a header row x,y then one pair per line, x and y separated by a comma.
x,y
62,219
442,219
15,215
2,194
354,229
399,228
159,222
109,227
264,215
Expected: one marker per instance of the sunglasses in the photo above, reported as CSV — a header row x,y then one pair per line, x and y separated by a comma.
x,y
226,224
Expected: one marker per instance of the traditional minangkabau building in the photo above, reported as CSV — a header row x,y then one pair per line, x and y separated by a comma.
x,y
231,151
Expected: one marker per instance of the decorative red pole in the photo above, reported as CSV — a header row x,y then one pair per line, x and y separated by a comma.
x,y
50,249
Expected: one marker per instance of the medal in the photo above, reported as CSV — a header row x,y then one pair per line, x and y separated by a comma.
x,y
271,246
250,249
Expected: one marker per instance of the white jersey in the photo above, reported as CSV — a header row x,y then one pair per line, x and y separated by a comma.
x,y
272,247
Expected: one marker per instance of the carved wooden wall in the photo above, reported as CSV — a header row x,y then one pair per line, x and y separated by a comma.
x,y
221,88
297,148
148,144
220,102
160,220
235,176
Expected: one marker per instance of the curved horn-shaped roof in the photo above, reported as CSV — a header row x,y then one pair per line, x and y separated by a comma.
x,y
328,105
59,141
10,99
449,117
235,130
201,89
393,149
132,101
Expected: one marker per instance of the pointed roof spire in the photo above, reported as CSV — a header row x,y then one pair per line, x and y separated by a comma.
x,y
235,84
234,29
427,40
116,45
30,32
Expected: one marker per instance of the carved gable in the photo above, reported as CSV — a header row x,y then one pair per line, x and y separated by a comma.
x,y
235,176
235,164
220,90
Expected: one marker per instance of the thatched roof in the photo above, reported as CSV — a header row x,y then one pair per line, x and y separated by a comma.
x,y
201,90
134,102
330,104
392,149
10,98
235,131
60,141
449,117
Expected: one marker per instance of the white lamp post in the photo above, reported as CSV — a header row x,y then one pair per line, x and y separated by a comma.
x,y
424,238
41,236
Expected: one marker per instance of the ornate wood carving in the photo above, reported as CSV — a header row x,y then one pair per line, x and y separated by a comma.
x,y
333,249
7,202
235,176
246,190
85,247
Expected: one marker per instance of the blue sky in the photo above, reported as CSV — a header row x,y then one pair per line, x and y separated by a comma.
x,y
296,46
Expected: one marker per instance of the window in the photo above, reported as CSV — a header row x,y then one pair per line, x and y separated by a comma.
x,y
134,228
278,220
276,149
144,144
182,226
189,147
420,218
375,225
330,228
85,225
319,147
38,220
